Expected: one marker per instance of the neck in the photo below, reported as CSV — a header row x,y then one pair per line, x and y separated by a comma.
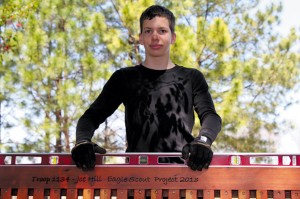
x,y
158,63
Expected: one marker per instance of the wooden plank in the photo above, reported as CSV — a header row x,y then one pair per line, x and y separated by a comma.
x,y
139,194
295,194
122,194
88,193
243,194
191,194
22,193
225,194
156,194
174,194
208,194
5,193
261,194
105,193
38,193
55,193
112,177
279,194
72,193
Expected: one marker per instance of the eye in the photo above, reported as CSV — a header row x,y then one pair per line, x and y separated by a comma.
x,y
163,31
147,31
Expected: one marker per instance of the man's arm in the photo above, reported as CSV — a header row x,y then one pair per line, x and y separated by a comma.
x,y
106,103
198,153
210,121
83,154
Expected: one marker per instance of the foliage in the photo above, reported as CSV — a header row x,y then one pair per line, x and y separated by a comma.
x,y
12,15
66,50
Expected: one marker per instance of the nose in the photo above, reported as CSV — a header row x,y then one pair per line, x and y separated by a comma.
x,y
154,35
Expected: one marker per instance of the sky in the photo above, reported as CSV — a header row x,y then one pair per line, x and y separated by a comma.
x,y
287,142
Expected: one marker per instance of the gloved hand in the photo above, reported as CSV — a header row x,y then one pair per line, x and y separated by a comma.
x,y
198,154
83,154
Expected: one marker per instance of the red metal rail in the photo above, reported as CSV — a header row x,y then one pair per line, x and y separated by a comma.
x,y
240,175
238,159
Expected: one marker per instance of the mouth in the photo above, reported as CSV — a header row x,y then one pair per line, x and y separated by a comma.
x,y
155,46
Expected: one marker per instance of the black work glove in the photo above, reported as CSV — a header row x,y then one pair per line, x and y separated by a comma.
x,y
198,154
83,154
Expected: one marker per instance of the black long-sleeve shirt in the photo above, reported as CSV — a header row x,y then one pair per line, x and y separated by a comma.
x,y
159,108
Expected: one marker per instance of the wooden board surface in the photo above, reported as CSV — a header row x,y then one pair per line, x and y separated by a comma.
x,y
220,178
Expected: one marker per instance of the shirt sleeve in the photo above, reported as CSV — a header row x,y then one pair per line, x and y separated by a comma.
x,y
210,121
105,104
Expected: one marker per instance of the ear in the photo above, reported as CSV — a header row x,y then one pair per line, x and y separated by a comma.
x,y
141,39
173,39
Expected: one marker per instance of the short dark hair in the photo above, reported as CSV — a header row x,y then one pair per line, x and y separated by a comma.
x,y
158,11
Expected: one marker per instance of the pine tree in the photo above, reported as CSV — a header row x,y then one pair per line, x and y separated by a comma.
x,y
67,50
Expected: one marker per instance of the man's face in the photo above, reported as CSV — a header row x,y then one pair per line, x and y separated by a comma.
x,y
156,36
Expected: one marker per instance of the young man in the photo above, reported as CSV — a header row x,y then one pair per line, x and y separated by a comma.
x,y
159,98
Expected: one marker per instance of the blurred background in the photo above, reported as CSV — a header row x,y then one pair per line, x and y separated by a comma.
x,y
56,56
